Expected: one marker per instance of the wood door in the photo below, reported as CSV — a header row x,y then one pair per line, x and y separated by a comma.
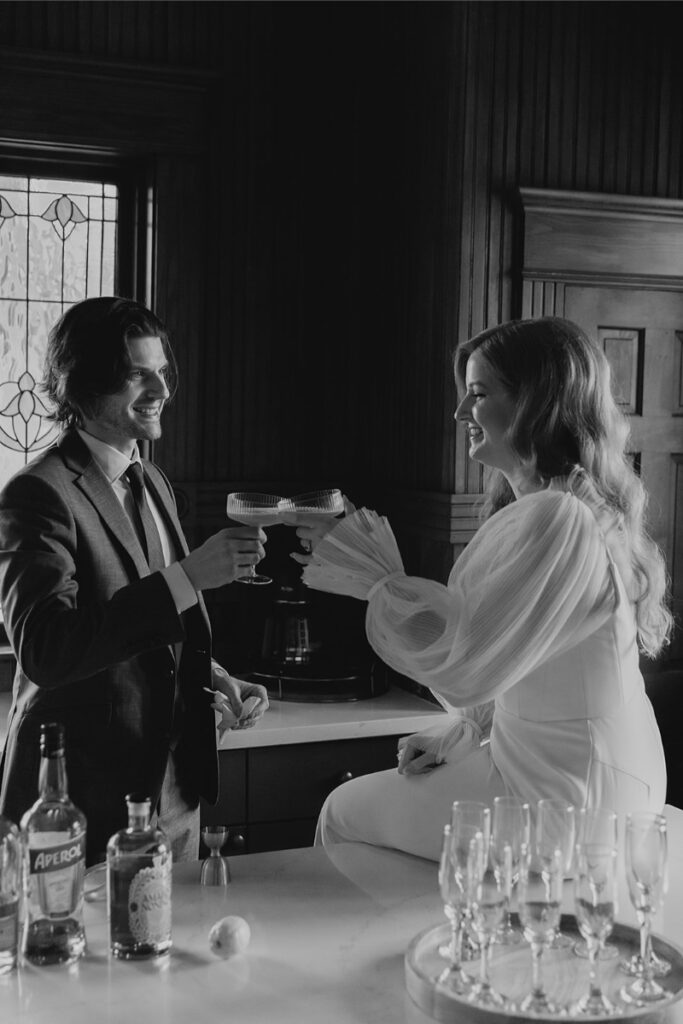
x,y
614,264
641,332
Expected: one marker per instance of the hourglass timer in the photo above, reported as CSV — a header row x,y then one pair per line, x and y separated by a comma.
x,y
215,869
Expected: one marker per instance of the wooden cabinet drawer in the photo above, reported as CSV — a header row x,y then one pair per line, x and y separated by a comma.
x,y
292,782
281,835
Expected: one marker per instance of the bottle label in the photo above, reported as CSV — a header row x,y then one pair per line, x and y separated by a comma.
x,y
56,873
149,904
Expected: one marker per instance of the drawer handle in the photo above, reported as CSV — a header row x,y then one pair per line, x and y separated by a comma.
x,y
236,842
345,777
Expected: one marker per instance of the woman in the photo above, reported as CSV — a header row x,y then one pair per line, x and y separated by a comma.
x,y
534,641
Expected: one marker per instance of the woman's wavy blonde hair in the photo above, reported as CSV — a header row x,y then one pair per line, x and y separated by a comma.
x,y
566,418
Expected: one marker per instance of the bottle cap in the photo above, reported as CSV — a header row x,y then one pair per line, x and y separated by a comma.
x,y
51,739
138,802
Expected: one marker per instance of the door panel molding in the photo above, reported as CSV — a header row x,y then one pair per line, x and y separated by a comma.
x,y
614,264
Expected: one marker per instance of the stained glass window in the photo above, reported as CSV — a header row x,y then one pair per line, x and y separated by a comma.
x,y
57,246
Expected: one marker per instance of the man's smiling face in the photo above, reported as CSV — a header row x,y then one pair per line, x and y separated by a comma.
x,y
134,413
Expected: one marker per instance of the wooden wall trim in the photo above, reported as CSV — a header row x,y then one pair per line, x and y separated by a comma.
x,y
656,282
102,106
446,518
627,239
587,204
135,71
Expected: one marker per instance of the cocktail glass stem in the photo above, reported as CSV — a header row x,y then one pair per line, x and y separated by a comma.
x,y
645,989
453,975
594,1002
507,934
482,992
537,989
537,1001
594,991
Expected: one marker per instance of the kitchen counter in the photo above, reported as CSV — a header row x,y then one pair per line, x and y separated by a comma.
x,y
394,713
329,932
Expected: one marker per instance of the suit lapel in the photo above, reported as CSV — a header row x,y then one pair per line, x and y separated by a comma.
x,y
91,482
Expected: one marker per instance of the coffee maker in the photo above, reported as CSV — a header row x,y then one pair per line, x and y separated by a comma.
x,y
312,657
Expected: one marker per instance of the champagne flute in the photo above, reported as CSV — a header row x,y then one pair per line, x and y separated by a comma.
x,y
595,898
253,509
314,503
468,830
453,885
487,910
556,830
470,817
646,855
541,876
597,826
509,833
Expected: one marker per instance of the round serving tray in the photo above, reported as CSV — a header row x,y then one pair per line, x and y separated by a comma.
x,y
565,977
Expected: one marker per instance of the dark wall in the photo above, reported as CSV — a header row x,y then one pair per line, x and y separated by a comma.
x,y
359,207
353,210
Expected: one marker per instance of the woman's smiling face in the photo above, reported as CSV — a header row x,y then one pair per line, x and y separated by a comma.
x,y
487,410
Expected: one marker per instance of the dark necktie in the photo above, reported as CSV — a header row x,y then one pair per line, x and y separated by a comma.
x,y
148,532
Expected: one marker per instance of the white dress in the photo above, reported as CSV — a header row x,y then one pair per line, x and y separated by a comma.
x,y
535,620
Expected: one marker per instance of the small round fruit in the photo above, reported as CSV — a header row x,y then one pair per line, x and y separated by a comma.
x,y
229,936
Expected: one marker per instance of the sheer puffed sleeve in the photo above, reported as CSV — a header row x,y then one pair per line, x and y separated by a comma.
x,y
533,582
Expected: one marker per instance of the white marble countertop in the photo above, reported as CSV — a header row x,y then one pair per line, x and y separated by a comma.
x,y
329,932
395,713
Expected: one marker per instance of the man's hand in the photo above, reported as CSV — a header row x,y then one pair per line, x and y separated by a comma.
x,y
224,556
240,703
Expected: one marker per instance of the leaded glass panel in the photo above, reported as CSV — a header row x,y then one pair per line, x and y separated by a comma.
x,y
57,246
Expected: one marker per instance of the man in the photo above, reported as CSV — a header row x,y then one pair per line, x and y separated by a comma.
x,y
101,598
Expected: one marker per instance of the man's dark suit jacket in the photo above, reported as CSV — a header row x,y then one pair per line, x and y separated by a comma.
x,y
93,631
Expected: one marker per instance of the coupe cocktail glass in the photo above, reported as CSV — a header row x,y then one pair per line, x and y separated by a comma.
x,y
253,509
313,503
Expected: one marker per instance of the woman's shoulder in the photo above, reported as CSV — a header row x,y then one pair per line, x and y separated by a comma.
x,y
569,505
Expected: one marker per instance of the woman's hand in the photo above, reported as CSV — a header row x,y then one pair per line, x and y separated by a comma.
x,y
413,759
311,529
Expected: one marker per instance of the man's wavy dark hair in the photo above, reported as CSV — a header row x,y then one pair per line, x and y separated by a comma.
x,y
87,354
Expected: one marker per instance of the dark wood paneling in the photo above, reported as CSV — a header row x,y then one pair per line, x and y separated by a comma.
x,y
354,210
587,97
181,33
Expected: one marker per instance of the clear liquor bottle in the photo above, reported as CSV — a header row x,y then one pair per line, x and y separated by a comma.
x,y
139,886
10,891
53,832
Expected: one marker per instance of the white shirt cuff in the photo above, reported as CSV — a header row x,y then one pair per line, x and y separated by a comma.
x,y
182,591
